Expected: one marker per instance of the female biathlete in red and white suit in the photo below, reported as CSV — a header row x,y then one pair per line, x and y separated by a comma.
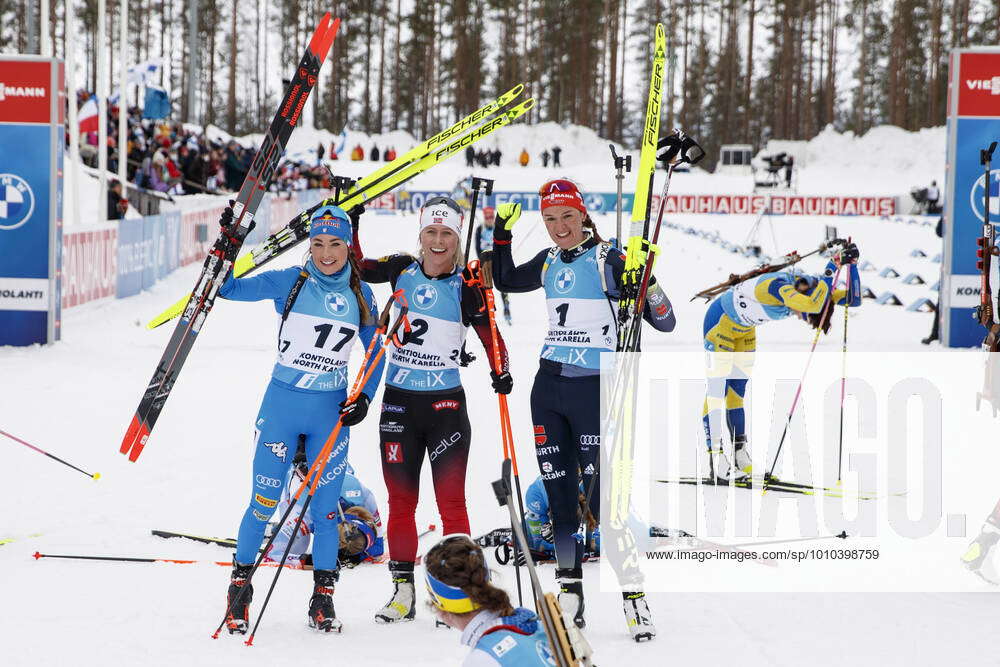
x,y
424,407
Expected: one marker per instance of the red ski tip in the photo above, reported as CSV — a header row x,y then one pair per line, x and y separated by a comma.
x,y
130,435
249,642
323,38
215,635
37,555
140,441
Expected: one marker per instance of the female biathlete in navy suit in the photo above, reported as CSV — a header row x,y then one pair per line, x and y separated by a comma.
x,y
581,277
424,408
324,309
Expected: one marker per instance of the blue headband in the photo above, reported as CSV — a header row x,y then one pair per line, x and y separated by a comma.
x,y
331,220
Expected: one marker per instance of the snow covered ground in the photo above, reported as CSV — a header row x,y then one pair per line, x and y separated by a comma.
x,y
76,398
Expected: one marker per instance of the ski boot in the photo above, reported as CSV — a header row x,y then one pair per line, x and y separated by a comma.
x,y
321,613
238,599
402,605
637,616
977,555
741,455
571,594
723,472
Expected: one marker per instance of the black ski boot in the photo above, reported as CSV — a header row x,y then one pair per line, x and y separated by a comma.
x,y
571,594
321,613
238,599
402,605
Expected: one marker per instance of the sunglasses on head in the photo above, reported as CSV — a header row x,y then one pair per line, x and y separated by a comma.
x,y
558,185
445,201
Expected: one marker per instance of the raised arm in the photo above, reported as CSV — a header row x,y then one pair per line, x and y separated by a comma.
x,y
506,276
269,285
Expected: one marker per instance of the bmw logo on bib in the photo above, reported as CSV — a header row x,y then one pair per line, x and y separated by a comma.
x,y
17,201
976,198
336,303
425,296
565,280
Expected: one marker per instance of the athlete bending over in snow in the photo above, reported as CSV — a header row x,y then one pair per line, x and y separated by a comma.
x,y
730,330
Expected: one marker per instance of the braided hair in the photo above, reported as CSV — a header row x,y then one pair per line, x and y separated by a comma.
x,y
460,562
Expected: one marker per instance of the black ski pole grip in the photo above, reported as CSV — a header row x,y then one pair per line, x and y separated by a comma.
x,y
502,491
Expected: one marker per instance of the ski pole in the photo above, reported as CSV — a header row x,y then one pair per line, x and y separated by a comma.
x,y
841,535
843,376
174,561
477,185
95,475
475,279
621,162
798,391
315,471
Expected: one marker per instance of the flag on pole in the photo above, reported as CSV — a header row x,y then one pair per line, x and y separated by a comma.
x,y
157,104
87,115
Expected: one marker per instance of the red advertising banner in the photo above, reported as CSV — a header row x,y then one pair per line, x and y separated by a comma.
x,y
979,84
25,91
90,265
193,250
780,204
282,211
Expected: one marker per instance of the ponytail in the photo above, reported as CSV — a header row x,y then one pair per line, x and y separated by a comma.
x,y
588,224
366,318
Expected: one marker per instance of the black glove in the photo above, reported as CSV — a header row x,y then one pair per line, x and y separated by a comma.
x,y
227,217
678,147
502,383
464,357
850,254
352,413
822,319
355,215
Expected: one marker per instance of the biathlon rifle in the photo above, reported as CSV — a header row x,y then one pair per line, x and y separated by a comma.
x,y
736,278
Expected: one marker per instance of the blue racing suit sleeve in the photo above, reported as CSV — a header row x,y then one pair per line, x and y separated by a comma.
x,y
509,277
854,289
366,334
273,285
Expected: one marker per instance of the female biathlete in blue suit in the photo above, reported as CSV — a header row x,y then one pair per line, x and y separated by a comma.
x,y
730,329
458,582
581,277
324,309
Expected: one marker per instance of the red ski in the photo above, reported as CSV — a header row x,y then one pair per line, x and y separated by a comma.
x,y
225,249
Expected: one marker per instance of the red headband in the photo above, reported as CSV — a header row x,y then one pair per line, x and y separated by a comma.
x,y
571,198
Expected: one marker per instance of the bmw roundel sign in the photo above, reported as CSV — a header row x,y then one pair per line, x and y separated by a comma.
x,y
17,201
